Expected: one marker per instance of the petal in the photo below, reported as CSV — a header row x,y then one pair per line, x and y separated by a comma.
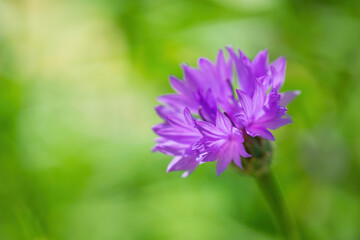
x,y
177,84
272,108
223,123
193,77
243,70
169,147
260,131
187,173
245,102
276,123
188,117
237,144
237,161
287,97
178,120
244,58
278,68
160,126
220,60
164,111
208,130
210,156
258,98
242,152
240,120
206,65
260,63
273,99
182,163
208,106
273,111
174,100
224,68
223,162
180,135
265,80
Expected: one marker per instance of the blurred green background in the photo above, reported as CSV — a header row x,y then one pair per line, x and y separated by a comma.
x,y
78,83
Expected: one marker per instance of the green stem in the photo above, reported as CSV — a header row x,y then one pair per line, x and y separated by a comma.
x,y
271,191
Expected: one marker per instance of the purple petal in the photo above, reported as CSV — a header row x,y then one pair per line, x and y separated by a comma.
x,y
276,123
224,68
222,163
220,60
206,65
245,102
244,58
182,163
273,99
278,68
244,72
240,120
178,120
260,63
237,161
260,131
187,173
272,108
208,106
177,84
287,97
265,80
192,76
259,97
169,147
208,130
164,111
181,135
159,126
173,100
188,118
242,152
210,155
223,122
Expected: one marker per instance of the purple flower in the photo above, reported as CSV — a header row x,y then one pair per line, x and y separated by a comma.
x,y
216,133
177,137
203,90
222,141
262,107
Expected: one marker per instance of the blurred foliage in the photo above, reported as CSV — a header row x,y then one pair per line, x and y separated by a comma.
x,y
78,83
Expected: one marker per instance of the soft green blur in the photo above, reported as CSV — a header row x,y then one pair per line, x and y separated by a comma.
x,y
78,83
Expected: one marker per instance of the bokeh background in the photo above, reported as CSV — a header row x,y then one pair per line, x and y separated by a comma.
x,y
78,83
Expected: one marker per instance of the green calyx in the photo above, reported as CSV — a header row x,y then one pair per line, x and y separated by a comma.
x,y
260,161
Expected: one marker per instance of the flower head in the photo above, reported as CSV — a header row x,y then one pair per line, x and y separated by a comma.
x,y
203,89
177,137
222,118
222,141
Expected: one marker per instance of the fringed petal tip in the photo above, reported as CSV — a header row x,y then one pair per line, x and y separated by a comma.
x,y
288,97
261,132
186,174
155,149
